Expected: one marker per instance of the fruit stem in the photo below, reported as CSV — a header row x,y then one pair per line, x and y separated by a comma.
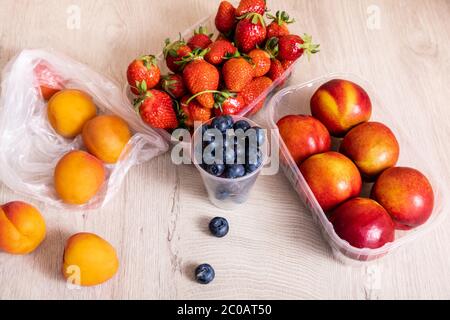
x,y
309,47
225,94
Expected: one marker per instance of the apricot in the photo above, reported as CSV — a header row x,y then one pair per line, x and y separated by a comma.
x,y
78,177
68,111
89,260
22,228
106,136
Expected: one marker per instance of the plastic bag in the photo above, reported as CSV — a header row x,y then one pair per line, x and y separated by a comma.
x,y
30,148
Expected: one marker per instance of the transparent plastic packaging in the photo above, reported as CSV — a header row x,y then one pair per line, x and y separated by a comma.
x,y
296,100
224,193
210,24
30,148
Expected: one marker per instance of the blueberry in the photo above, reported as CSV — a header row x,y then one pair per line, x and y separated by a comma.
x,y
222,123
260,135
204,273
222,193
219,227
252,165
234,171
241,124
215,169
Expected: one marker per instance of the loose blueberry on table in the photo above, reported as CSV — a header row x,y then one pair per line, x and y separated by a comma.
x,y
204,273
219,227
241,156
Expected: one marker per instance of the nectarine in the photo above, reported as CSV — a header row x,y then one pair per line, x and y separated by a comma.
x,y
407,196
304,136
22,228
89,260
78,177
106,136
340,105
373,147
332,177
363,223
68,111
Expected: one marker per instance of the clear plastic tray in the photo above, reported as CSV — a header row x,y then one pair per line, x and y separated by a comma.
x,y
296,100
210,24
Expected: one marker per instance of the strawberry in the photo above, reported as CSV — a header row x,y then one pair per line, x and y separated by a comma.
x,y
254,90
229,103
287,64
237,73
225,18
49,81
143,74
276,69
201,77
249,6
292,47
250,32
201,39
174,52
278,27
156,109
192,111
261,60
218,50
173,84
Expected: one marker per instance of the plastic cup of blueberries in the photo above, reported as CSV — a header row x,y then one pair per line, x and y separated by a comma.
x,y
229,152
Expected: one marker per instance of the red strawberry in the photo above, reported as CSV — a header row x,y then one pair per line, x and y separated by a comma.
x,y
201,39
174,52
156,109
287,64
292,47
229,103
250,32
276,69
218,50
237,73
278,27
254,90
248,6
201,77
261,60
173,85
143,74
49,81
225,18
193,111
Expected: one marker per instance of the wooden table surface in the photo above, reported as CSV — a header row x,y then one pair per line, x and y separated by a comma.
x,y
158,221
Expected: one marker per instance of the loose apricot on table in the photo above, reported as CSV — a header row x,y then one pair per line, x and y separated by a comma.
x,y
22,228
89,260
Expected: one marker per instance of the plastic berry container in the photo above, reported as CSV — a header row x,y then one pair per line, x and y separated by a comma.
x,y
296,100
186,34
225,193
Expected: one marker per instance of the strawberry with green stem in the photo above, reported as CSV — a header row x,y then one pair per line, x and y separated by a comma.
x,y
156,109
200,76
261,60
292,47
143,74
201,39
192,111
175,52
279,26
250,32
173,84
219,50
226,102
